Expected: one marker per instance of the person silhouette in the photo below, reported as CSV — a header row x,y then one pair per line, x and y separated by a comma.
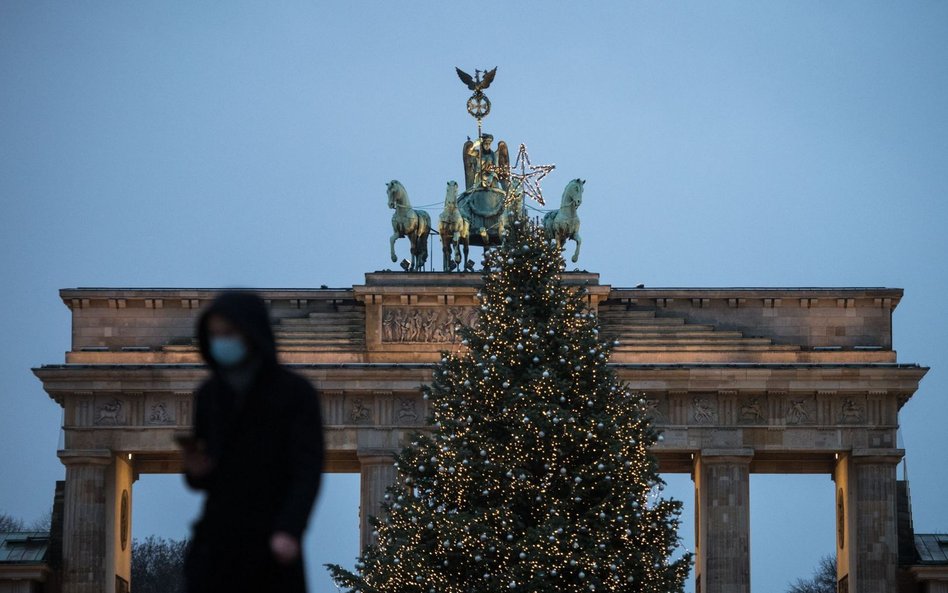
x,y
256,450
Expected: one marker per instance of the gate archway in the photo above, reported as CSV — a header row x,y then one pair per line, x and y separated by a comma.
x,y
740,380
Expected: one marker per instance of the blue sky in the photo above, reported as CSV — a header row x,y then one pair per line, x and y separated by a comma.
x,y
724,144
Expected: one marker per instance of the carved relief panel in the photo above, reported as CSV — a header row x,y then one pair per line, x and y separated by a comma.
x,y
656,408
851,410
704,410
376,408
799,410
753,409
159,411
408,412
110,410
424,324
359,410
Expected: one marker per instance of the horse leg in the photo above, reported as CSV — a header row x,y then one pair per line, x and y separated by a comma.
x,y
556,236
579,241
412,249
445,253
419,253
467,248
415,254
391,245
456,241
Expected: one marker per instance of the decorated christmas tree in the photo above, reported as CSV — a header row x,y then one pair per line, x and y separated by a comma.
x,y
536,475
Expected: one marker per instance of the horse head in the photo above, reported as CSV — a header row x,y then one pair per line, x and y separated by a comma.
x,y
396,193
573,194
451,194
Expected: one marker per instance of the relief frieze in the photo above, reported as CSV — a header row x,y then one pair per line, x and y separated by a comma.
x,y
407,410
752,411
851,412
425,324
656,409
799,411
359,413
159,413
109,413
704,411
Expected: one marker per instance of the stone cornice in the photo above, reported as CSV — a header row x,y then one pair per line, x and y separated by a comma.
x,y
373,279
776,296
26,571
81,297
426,365
388,281
433,354
931,572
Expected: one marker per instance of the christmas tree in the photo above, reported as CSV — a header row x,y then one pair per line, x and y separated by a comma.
x,y
536,475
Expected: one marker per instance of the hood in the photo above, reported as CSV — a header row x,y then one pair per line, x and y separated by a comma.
x,y
249,314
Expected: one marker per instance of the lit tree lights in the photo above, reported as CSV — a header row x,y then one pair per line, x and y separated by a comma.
x,y
536,475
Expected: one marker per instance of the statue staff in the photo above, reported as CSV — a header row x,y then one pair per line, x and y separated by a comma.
x,y
478,105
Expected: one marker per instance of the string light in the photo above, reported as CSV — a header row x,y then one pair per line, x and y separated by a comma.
x,y
529,181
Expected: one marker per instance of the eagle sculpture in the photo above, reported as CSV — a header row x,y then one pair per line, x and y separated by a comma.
x,y
477,84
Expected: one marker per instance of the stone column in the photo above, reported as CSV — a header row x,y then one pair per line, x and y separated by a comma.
x,y
84,521
866,530
118,502
377,472
722,521
97,519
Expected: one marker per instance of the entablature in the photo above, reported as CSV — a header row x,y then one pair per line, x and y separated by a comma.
x,y
821,409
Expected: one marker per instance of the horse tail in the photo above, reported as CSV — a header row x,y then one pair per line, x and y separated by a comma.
x,y
424,229
424,223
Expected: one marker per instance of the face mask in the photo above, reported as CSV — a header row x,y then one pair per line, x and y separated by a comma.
x,y
228,352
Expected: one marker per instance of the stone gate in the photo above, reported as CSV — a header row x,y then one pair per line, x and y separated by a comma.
x,y
741,380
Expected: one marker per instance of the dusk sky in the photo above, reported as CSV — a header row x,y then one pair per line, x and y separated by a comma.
x,y
186,144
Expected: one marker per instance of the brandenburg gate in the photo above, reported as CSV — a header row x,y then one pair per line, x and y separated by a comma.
x,y
741,380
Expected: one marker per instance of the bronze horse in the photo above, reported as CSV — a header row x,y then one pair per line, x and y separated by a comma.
x,y
408,222
454,230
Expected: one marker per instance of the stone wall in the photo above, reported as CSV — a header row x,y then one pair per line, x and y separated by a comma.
x,y
812,317
147,319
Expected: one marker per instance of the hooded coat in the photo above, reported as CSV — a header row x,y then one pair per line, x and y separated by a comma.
x,y
265,445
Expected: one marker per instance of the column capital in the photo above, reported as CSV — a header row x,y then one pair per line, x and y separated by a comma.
x,y
85,456
369,456
743,455
891,456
